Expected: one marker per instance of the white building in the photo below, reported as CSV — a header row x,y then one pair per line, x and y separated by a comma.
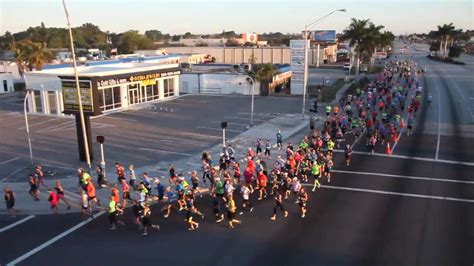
x,y
105,85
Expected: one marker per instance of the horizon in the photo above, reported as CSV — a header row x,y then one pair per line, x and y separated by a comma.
x,y
212,17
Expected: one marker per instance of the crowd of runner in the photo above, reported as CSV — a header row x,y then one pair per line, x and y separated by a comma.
x,y
379,111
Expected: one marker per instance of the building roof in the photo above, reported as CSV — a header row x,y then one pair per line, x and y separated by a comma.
x,y
111,67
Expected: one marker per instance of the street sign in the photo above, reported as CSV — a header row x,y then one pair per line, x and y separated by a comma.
x,y
71,102
297,65
100,139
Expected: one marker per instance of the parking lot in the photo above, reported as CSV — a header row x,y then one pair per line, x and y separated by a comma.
x,y
163,131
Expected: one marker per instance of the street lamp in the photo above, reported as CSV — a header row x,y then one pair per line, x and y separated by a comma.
x,y
27,125
305,76
79,99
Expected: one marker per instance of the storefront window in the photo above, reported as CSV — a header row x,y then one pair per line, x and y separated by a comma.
x,y
110,98
168,85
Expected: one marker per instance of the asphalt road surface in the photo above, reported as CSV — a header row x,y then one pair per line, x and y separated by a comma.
x,y
415,207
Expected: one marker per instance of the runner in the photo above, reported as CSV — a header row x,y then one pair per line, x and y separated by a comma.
x,y
172,198
216,208
53,200
40,175
113,209
91,196
278,204
120,172
34,191
246,190
10,202
195,182
146,223
268,146
316,174
262,185
100,176
302,199
279,138
125,193
60,193
231,210
348,154
132,177
328,167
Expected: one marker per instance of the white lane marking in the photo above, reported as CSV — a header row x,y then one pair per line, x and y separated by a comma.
x,y
73,194
247,119
53,240
57,127
200,135
11,160
232,123
39,123
170,152
113,117
411,157
439,124
395,193
10,226
405,176
220,129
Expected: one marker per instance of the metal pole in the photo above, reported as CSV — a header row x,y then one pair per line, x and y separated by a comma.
x,y
223,137
102,162
27,126
305,75
79,99
253,101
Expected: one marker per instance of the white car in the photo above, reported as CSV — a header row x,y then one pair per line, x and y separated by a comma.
x,y
346,66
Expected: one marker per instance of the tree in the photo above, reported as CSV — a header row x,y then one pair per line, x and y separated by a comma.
x,y
443,34
356,33
434,47
232,42
154,35
264,74
32,55
132,40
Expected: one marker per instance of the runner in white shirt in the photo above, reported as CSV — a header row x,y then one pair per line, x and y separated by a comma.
x,y
245,191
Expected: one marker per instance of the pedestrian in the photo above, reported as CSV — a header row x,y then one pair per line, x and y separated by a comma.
x,y
161,189
316,174
53,200
113,210
34,191
60,193
231,210
146,222
302,200
91,196
137,213
195,182
172,198
328,167
100,176
231,152
279,138
10,201
278,205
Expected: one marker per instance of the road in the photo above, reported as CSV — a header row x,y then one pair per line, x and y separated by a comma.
x,y
415,207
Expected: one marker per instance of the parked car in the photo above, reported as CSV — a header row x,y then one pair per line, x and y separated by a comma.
x,y
346,66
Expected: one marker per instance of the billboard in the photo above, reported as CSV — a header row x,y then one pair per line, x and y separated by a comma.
x,y
324,35
297,65
71,102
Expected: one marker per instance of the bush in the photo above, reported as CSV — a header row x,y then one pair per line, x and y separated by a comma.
x,y
454,51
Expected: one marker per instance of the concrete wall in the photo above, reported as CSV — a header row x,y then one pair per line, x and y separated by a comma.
x,y
208,83
242,55
6,79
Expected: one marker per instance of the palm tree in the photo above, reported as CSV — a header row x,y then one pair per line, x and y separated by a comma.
x,y
444,33
372,41
32,54
264,75
356,33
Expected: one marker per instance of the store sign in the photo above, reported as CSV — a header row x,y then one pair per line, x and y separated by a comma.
x,y
297,65
152,76
71,102
148,82
111,82
324,35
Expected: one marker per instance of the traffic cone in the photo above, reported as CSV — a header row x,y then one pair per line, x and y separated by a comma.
x,y
402,123
395,136
388,150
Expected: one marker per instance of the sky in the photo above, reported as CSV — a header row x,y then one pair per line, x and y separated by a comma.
x,y
214,16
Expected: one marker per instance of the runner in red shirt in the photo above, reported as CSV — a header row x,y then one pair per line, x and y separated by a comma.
x,y
262,185
53,199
